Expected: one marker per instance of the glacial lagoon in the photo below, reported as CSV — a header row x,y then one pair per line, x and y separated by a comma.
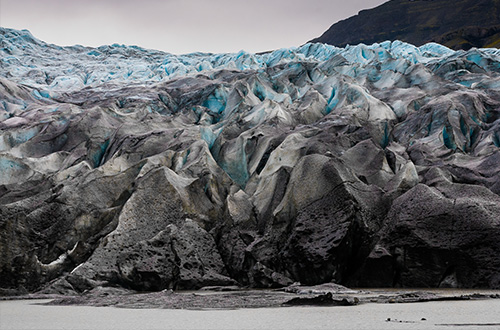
x,y
31,314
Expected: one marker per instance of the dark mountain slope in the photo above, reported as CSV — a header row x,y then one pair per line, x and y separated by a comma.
x,y
461,24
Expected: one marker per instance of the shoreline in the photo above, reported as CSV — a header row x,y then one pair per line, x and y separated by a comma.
x,y
217,298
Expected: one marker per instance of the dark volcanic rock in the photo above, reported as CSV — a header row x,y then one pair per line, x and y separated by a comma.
x,y
368,166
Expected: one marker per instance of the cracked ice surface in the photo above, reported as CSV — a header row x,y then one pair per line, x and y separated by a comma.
x,y
313,163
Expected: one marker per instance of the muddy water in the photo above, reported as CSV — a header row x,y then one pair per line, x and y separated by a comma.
x,y
480,314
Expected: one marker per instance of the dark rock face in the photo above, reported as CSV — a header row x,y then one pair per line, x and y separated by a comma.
x,y
186,257
366,166
461,24
442,229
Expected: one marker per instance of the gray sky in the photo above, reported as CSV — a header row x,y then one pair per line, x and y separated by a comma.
x,y
179,26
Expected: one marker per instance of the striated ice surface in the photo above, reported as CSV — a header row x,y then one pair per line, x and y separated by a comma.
x,y
50,68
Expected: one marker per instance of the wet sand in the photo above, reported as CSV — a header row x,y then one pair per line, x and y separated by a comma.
x,y
472,314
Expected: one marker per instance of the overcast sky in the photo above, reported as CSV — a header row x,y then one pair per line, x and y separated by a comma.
x,y
179,26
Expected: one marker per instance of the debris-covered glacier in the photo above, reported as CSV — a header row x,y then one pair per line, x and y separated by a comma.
x,y
369,165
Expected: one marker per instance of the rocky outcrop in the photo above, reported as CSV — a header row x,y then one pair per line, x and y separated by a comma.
x,y
451,230
365,166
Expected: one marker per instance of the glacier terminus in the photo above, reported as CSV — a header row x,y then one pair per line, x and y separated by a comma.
x,y
368,166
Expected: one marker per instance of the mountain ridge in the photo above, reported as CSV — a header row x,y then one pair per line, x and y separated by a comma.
x,y
459,24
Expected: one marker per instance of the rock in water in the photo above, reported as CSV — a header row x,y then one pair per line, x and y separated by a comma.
x,y
321,300
366,165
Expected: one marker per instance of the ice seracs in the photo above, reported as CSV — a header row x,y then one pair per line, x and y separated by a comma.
x,y
149,170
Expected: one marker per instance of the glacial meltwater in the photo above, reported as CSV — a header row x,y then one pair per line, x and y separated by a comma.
x,y
479,314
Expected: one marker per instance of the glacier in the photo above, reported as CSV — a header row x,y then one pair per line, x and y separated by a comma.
x,y
369,165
